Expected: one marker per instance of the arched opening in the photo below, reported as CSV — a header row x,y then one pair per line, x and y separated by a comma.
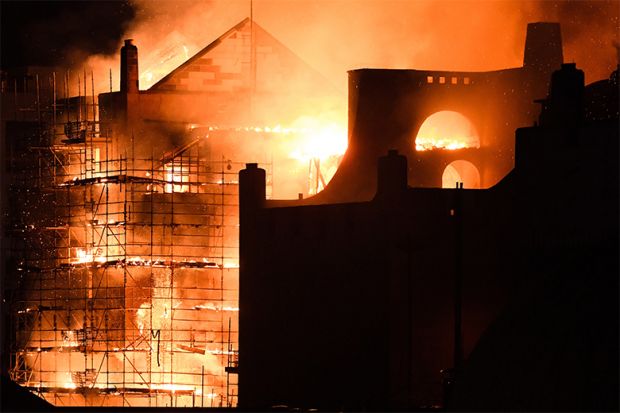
x,y
446,130
461,171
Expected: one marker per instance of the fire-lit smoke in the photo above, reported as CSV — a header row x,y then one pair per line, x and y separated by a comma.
x,y
341,35
53,33
467,35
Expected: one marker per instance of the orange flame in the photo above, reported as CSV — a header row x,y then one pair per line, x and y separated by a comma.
x,y
446,130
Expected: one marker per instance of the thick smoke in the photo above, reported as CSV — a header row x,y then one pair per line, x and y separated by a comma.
x,y
331,35
338,35
335,36
590,31
61,33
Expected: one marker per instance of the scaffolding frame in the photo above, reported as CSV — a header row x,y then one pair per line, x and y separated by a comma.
x,y
128,276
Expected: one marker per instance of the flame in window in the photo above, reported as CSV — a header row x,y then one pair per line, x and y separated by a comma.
x,y
446,130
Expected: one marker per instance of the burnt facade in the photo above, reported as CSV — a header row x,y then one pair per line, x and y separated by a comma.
x,y
503,298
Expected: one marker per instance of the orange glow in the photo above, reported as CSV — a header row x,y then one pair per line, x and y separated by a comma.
x,y
115,297
176,172
69,385
215,307
88,255
318,139
446,130
68,339
461,172
172,51
172,387
318,146
315,144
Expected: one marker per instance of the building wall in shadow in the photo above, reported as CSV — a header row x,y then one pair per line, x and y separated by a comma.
x,y
354,305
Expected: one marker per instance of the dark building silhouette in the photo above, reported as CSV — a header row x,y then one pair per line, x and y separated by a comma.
x,y
511,291
388,107
555,345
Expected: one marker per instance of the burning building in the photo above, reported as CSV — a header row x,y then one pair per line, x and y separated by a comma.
x,y
123,229
385,292
124,252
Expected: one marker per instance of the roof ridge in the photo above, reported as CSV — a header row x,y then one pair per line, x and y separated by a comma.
x,y
202,51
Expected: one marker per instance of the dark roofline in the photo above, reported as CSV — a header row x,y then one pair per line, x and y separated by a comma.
x,y
437,72
199,54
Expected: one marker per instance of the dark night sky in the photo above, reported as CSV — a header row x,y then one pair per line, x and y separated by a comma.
x,y
81,28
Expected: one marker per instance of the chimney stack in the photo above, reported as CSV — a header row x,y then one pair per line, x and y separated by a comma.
x,y
251,187
543,47
129,67
391,174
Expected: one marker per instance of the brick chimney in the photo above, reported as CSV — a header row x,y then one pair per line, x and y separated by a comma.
x,y
129,67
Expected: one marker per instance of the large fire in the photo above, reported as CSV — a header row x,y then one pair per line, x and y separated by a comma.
x,y
318,139
320,145
446,130
307,151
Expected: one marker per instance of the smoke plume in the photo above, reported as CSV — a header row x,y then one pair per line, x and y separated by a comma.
x,y
61,33
333,36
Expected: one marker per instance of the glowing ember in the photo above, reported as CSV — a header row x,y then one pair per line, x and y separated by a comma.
x,y
315,144
215,307
88,255
68,339
172,387
446,130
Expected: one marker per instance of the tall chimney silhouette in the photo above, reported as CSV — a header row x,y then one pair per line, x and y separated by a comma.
x,y
129,67
543,47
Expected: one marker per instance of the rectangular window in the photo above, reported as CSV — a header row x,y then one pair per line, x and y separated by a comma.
x,y
466,81
442,80
429,79
454,80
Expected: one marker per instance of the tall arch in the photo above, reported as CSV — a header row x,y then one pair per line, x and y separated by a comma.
x,y
461,171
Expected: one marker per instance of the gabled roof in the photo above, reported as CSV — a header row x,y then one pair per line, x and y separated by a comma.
x,y
201,53
225,65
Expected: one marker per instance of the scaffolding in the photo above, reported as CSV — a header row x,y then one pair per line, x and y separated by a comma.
x,y
128,268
